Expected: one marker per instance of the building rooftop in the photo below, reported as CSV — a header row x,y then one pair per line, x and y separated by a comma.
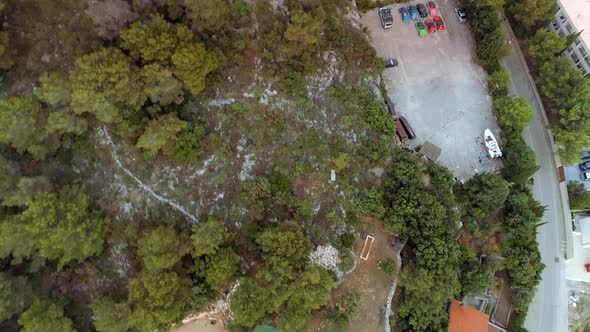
x,y
579,13
467,319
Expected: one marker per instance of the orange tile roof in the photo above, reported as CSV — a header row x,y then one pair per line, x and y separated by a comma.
x,y
467,319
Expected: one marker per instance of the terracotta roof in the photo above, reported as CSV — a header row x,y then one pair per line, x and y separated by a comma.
x,y
467,319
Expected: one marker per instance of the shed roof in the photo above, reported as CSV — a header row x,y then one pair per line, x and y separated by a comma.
x,y
430,151
467,319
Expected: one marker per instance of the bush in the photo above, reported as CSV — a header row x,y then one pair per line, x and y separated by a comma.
x,y
371,204
579,196
346,261
388,265
498,83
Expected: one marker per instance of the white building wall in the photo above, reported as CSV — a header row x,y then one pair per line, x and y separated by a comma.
x,y
578,51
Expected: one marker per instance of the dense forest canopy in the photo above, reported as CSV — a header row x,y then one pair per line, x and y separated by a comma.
x,y
157,156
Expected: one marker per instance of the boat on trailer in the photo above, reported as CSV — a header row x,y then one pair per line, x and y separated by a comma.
x,y
491,144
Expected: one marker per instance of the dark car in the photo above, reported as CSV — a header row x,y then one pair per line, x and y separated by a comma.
x,y
440,25
405,14
584,166
390,63
430,26
421,10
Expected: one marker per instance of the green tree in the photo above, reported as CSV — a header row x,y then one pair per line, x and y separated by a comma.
x,y
64,121
513,113
191,64
371,203
60,225
107,84
162,87
286,242
54,90
490,49
250,303
303,34
15,295
159,133
545,45
579,197
425,299
7,51
155,40
161,248
110,316
571,134
9,175
531,14
189,142
23,122
520,162
209,236
45,315
475,277
221,267
208,15
158,298
27,189
570,39
498,83
486,191
559,82
388,265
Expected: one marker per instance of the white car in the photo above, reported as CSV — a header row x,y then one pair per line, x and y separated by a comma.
x,y
585,176
461,15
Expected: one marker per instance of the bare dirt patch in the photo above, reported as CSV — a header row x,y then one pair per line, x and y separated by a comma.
x,y
368,280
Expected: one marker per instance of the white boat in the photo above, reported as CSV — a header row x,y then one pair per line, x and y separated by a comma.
x,y
491,144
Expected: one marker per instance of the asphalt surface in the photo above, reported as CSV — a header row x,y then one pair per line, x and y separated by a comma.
x,y
548,311
438,88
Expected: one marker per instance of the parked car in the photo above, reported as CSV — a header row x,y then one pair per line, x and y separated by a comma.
x,y
584,166
390,63
413,12
421,29
440,25
585,176
430,26
386,17
404,13
461,15
431,8
421,10
585,158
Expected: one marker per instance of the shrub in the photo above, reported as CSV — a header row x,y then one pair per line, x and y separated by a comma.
x,y
388,265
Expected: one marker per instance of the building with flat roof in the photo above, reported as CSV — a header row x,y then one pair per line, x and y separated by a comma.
x,y
574,16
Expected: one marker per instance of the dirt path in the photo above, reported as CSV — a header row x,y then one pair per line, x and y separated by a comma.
x,y
104,133
388,312
369,281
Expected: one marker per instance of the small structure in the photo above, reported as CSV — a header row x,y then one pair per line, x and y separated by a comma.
x,y
430,151
365,253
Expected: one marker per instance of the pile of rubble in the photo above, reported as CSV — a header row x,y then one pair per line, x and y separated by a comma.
x,y
325,256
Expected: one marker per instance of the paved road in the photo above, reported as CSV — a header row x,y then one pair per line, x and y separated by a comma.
x,y
548,311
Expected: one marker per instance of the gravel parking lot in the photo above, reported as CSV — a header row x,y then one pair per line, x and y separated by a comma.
x,y
438,87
